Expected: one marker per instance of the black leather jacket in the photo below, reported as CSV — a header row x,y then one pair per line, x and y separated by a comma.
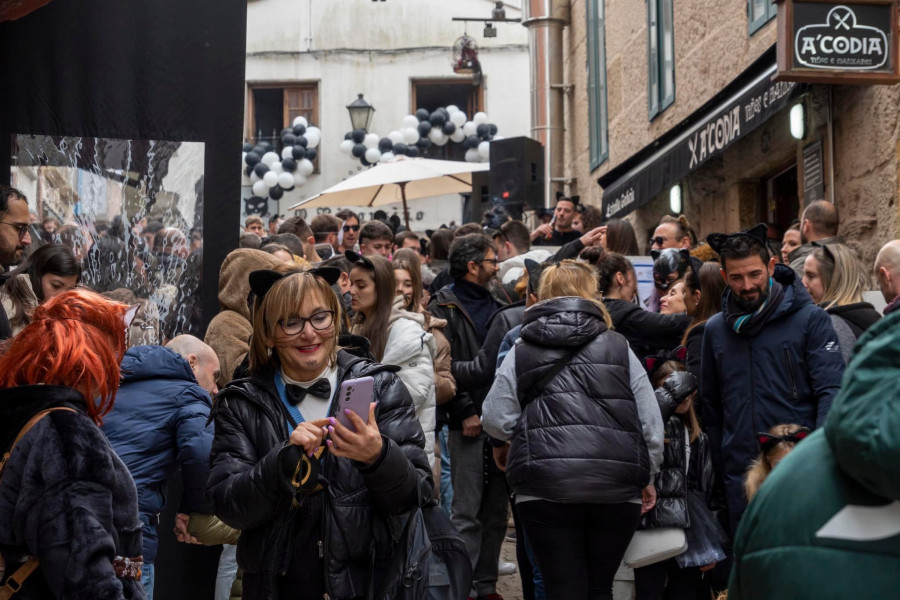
x,y
250,487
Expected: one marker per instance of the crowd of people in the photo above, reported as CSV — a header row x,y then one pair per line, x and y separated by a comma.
x,y
512,369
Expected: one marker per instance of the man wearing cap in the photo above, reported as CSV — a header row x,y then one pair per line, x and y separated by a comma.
x,y
559,231
770,357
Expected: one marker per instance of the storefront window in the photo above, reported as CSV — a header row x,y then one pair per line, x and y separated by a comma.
x,y
597,108
760,12
661,45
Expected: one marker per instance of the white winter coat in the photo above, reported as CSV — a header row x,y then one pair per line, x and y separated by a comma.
x,y
412,349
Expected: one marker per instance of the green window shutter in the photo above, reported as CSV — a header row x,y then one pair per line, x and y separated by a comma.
x,y
596,66
652,58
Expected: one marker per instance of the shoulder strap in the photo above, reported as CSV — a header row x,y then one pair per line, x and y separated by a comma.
x,y
15,581
31,423
541,383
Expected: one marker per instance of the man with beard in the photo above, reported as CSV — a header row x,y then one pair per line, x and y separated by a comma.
x,y
559,231
770,357
14,238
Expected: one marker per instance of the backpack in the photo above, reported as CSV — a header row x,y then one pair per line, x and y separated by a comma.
x,y
430,562
14,582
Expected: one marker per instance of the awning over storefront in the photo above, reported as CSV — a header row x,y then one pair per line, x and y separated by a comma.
x,y
741,107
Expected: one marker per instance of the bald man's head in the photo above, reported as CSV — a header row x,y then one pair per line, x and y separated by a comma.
x,y
820,220
202,359
887,270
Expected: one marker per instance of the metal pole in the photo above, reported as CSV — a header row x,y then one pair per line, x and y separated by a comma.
x,y
405,207
545,20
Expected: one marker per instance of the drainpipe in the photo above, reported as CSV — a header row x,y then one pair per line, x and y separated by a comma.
x,y
545,20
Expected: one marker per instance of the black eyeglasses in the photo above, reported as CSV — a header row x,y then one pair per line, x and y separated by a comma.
x,y
767,441
489,260
351,228
21,229
320,321
658,240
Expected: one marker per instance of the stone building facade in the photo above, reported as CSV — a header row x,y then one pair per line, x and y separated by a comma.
x,y
848,153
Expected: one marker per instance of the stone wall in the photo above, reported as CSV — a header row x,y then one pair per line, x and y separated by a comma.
x,y
712,48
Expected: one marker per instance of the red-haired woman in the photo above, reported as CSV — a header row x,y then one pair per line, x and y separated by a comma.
x,y
66,500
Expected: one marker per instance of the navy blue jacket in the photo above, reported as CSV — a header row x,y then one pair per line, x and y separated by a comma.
x,y
159,423
788,373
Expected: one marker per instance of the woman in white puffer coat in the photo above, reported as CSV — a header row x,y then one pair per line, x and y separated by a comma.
x,y
396,337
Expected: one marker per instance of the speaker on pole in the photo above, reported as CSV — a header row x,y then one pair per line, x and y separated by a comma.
x,y
517,174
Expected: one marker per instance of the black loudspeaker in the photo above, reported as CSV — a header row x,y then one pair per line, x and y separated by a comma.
x,y
479,201
517,174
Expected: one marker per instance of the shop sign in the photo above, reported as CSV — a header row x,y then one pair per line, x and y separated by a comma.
x,y
710,136
852,41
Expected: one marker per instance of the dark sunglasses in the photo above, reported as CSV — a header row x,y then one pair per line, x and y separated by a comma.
x,y
828,253
767,441
351,228
660,240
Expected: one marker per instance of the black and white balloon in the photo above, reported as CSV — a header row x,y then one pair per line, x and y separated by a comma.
x,y
419,132
270,174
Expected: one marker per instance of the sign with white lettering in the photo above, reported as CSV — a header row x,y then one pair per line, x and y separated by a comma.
x,y
709,137
852,41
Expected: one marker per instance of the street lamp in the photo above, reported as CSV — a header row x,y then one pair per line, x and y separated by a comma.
x,y
360,113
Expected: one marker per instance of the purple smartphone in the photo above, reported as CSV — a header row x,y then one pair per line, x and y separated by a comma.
x,y
356,395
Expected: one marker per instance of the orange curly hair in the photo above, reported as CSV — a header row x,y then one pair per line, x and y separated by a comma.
x,y
77,339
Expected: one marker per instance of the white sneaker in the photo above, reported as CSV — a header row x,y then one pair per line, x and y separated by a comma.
x,y
506,568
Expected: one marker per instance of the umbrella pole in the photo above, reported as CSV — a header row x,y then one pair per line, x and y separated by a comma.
x,y
405,207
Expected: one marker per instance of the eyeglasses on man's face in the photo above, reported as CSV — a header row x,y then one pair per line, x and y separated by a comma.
x,y
658,240
349,228
320,321
21,228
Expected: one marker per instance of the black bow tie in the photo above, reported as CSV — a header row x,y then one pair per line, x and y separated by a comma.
x,y
295,393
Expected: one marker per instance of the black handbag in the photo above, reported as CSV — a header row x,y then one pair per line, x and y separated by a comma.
x,y
430,560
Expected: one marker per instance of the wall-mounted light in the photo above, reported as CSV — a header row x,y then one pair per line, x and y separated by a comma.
x,y
498,13
490,31
675,199
798,121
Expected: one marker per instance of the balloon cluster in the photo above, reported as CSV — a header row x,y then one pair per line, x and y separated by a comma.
x,y
420,132
271,175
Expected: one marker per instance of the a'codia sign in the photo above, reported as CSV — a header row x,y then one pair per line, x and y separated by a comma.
x,y
854,41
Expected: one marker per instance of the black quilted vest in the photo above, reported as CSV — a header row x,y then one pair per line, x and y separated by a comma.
x,y
580,439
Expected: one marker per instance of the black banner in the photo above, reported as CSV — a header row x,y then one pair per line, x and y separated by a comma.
x,y
159,72
710,137
846,38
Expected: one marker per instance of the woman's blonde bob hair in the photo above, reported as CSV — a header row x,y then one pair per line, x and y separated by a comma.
x,y
572,278
284,300
843,279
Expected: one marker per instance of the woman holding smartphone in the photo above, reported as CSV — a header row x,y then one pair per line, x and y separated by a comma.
x,y
396,337
312,497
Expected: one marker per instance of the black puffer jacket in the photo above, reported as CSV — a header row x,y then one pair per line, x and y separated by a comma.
x,y
251,491
66,498
580,440
647,332
675,478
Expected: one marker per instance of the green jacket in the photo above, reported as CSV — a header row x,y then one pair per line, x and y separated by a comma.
x,y
826,523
